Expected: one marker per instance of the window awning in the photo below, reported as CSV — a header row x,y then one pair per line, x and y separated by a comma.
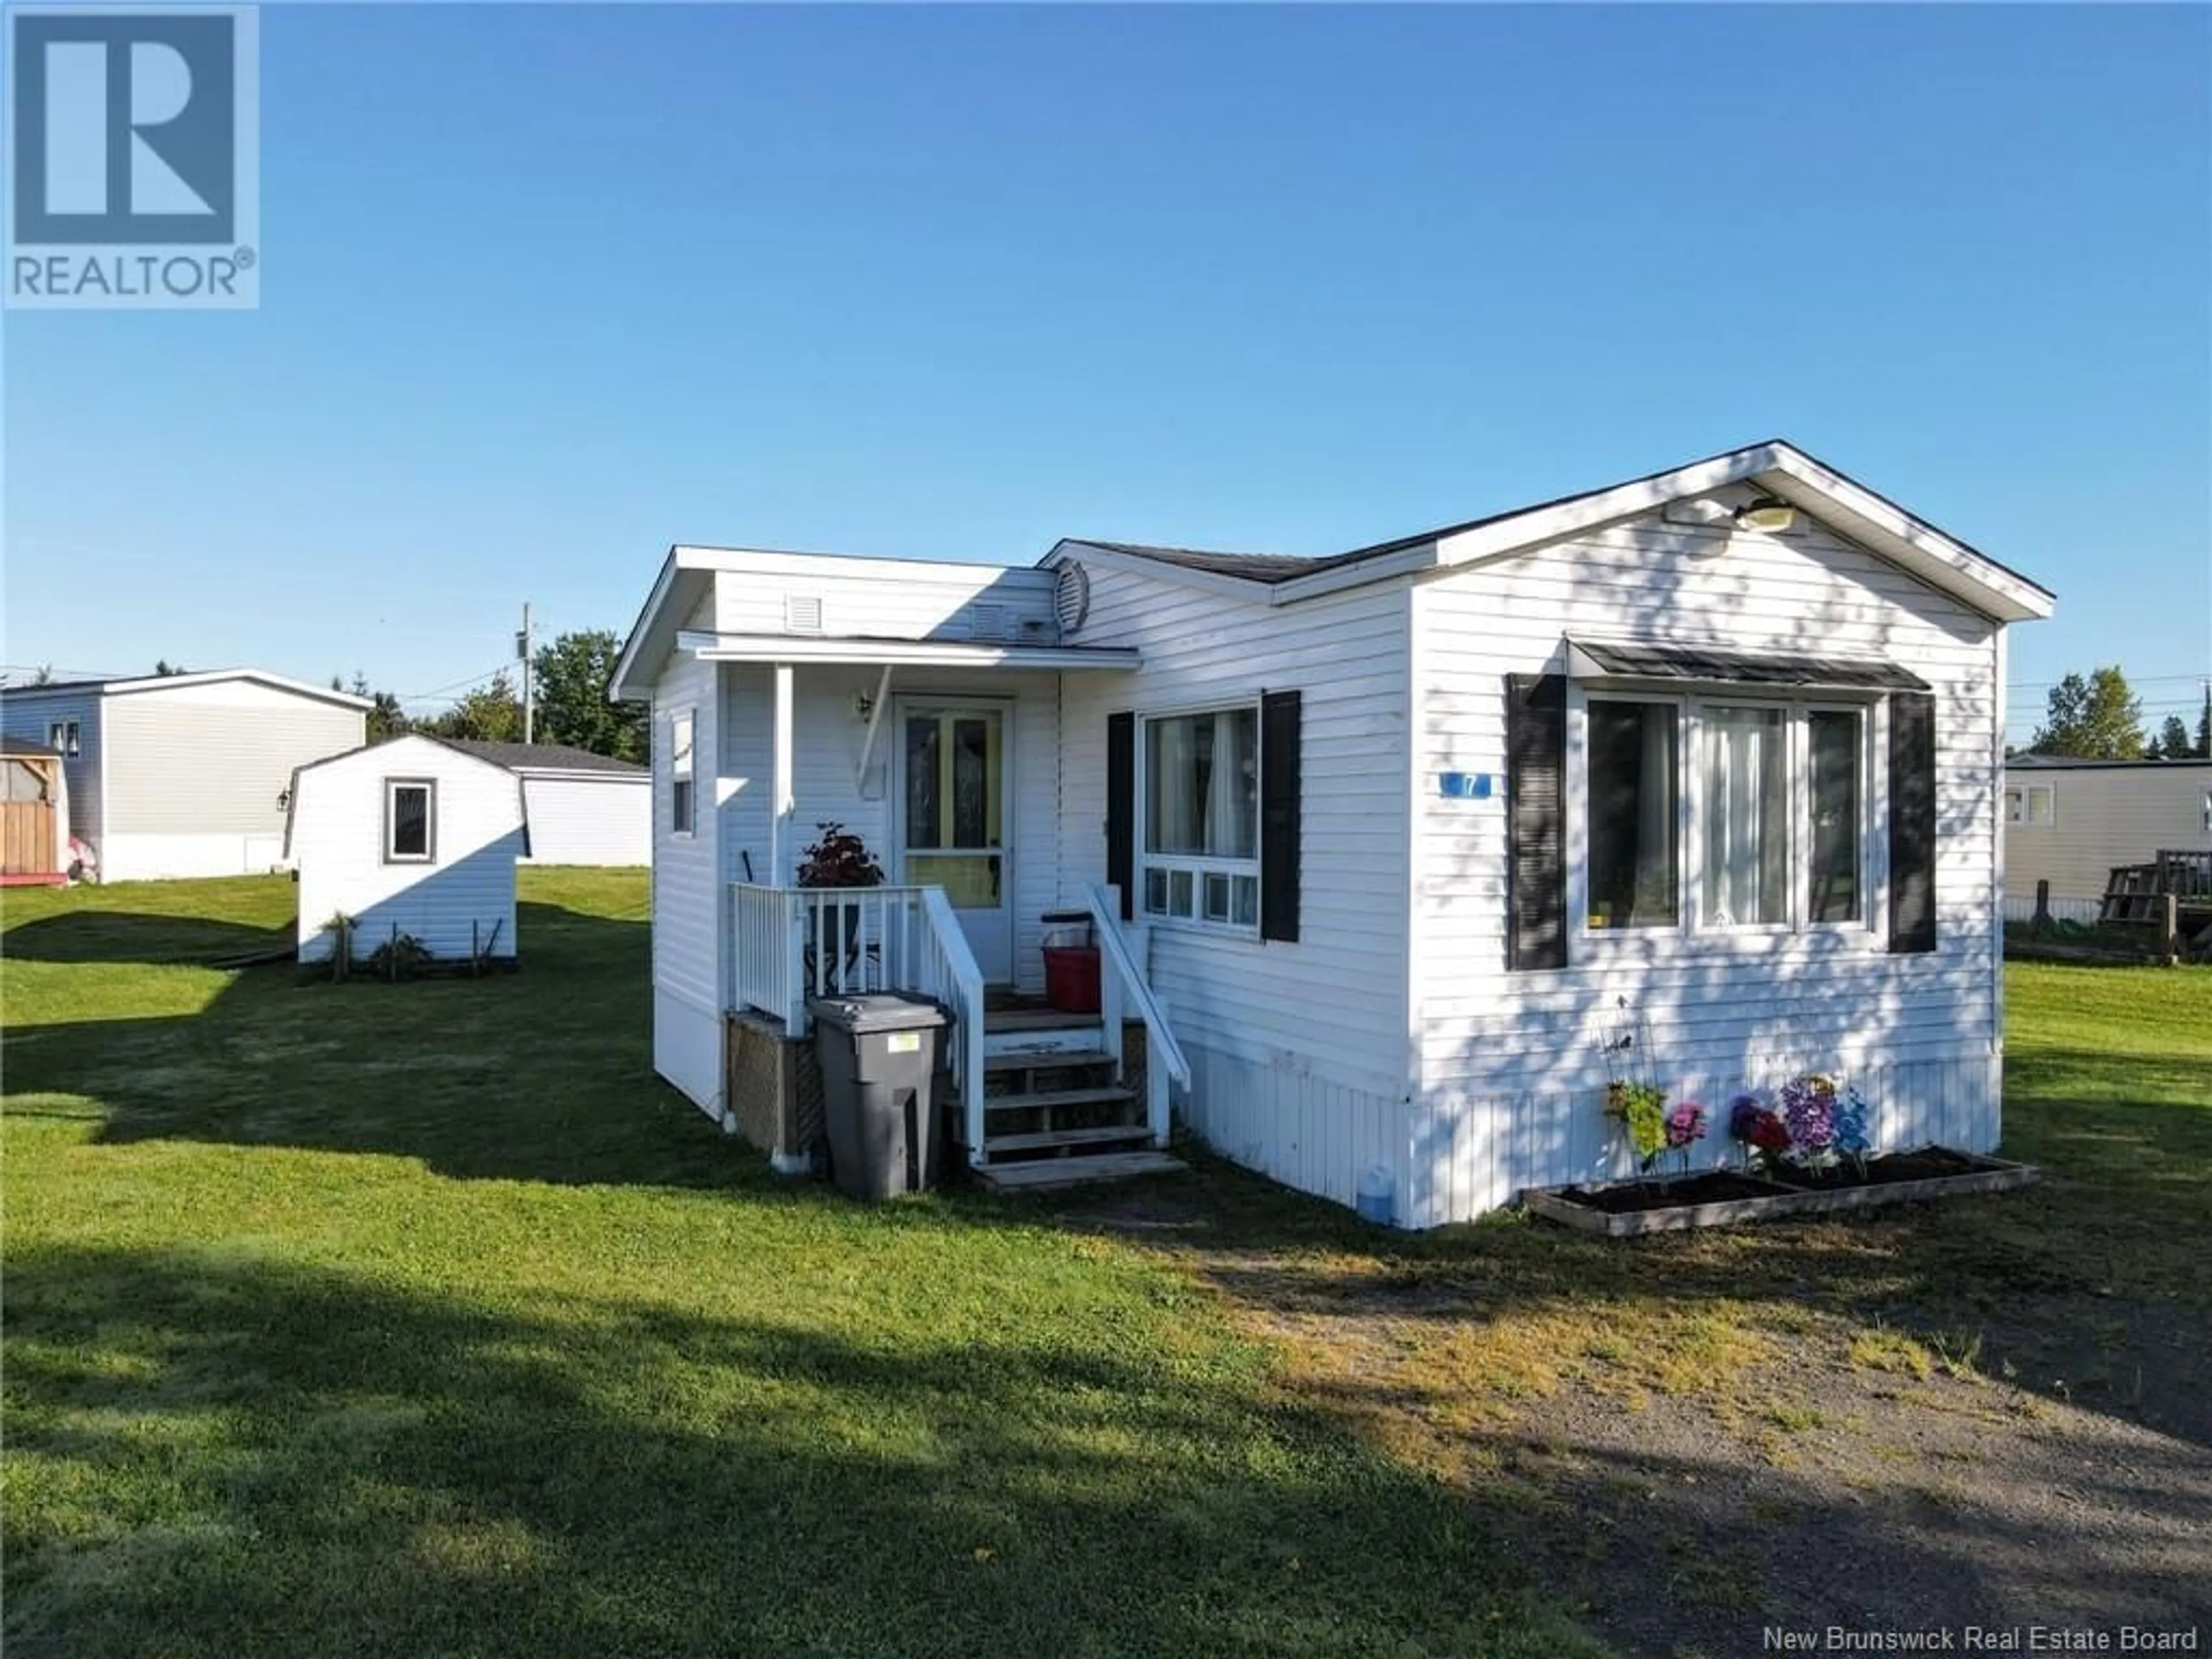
x,y
1601,659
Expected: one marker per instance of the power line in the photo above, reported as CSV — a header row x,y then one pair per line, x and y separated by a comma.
x,y
458,685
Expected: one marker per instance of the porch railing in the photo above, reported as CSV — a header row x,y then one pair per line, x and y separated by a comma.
x,y
1124,990
788,944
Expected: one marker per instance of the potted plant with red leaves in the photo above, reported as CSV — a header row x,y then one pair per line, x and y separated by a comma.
x,y
840,859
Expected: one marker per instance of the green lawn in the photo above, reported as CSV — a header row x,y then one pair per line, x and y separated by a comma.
x,y
420,1320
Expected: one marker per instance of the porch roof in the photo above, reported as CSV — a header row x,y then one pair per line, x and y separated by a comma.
x,y
955,653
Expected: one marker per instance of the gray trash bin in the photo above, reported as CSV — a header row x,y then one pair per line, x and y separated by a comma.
x,y
879,1055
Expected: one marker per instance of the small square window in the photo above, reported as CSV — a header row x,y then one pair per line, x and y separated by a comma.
x,y
1179,893
1156,892
409,820
1244,907
62,735
1217,896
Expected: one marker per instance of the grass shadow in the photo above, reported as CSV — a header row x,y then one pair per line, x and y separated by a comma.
x,y
297,1460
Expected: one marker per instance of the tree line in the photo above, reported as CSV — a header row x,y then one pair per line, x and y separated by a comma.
x,y
569,676
2099,717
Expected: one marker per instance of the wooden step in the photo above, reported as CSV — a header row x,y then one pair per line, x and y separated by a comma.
x,y
1051,1060
1053,1040
1046,1139
1105,1092
1036,1019
1046,1173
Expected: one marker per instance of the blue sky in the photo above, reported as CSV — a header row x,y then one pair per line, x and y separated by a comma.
x,y
545,290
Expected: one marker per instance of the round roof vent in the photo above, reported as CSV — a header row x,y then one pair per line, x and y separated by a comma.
x,y
1071,597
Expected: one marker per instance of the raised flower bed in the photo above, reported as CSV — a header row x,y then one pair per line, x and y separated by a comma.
x,y
1810,1151
1622,1209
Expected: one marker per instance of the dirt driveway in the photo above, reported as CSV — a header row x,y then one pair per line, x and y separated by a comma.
x,y
1888,1424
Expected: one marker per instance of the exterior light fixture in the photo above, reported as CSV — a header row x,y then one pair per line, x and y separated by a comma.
x,y
1768,514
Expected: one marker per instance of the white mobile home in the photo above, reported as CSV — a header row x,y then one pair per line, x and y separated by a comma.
x,y
2070,823
1381,847
583,808
414,836
183,774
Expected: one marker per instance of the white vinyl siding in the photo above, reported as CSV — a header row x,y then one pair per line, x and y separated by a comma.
x,y
462,897
583,818
1333,1004
2099,817
828,734
215,757
687,901
889,600
1723,1010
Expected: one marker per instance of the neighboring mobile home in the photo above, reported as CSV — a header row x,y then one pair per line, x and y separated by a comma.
x,y
583,808
183,774
416,836
1383,848
2070,823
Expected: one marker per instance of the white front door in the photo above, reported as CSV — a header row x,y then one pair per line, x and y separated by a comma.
x,y
955,817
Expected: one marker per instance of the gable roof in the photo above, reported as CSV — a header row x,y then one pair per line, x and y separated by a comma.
x,y
544,757
292,790
1936,558
122,684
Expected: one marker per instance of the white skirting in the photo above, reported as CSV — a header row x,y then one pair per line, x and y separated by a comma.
x,y
166,857
687,1048
1454,1157
1472,1154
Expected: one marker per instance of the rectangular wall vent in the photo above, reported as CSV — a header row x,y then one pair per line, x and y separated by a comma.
x,y
987,622
802,613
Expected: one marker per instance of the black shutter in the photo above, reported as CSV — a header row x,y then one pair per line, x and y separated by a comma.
x,y
1536,821
1121,808
1912,822
1279,761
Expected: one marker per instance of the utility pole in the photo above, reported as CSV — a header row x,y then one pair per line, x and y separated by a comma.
x,y
522,650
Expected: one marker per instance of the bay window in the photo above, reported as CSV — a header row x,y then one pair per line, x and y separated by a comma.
x,y
1724,813
1201,817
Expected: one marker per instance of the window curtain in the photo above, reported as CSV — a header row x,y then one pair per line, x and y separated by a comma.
x,y
1746,818
1233,787
1173,803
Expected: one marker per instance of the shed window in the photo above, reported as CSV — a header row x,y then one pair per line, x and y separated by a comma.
x,y
680,791
1633,810
64,735
410,813
1201,817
